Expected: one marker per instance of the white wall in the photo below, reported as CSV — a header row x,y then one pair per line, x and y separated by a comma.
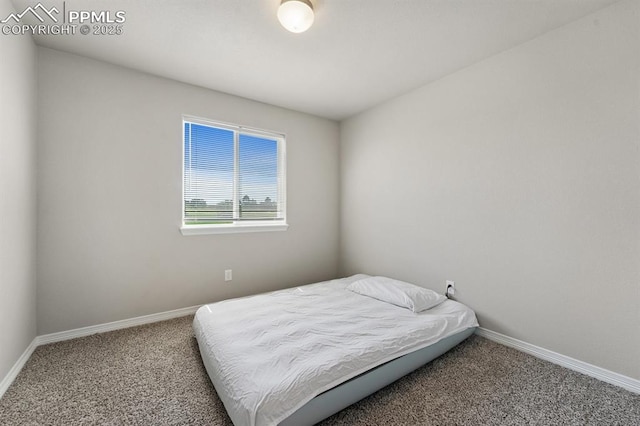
x,y
17,195
519,178
110,176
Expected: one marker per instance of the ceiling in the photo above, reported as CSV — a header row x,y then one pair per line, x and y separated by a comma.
x,y
357,54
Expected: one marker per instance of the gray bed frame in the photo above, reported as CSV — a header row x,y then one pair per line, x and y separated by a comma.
x,y
352,391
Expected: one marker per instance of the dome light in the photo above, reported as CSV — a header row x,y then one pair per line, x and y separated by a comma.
x,y
296,15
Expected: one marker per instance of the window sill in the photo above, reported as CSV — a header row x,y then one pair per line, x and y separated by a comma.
x,y
231,229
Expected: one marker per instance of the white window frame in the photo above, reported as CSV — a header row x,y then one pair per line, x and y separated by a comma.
x,y
249,226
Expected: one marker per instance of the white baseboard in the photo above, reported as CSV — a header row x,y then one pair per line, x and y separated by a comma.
x,y
602,374
13,373
607,376
116,325
87,331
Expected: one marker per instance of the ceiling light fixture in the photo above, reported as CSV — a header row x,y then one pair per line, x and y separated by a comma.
x,y
296,15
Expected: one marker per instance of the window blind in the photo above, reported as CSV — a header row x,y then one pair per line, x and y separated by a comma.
x,y
232,175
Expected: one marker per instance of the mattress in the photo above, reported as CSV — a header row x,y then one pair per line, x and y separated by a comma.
x,y
268,355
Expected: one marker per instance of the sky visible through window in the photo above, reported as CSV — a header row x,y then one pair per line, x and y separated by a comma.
x,y
209,166
258,168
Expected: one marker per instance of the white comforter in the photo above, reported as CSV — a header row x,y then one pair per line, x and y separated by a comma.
x,y
269,354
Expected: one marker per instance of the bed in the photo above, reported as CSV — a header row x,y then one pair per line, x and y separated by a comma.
x,y
297,356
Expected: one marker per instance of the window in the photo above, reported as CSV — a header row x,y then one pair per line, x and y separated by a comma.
x,y
233,180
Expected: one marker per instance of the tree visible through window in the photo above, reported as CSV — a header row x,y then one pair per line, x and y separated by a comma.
x,y
232,175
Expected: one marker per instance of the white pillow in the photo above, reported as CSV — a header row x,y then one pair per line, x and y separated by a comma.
x,y
399,293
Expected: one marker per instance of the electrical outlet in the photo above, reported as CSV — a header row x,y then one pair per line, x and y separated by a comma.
x,y
451,288
228,274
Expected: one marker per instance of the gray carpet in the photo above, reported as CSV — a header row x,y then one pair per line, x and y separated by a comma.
x,y
153,375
